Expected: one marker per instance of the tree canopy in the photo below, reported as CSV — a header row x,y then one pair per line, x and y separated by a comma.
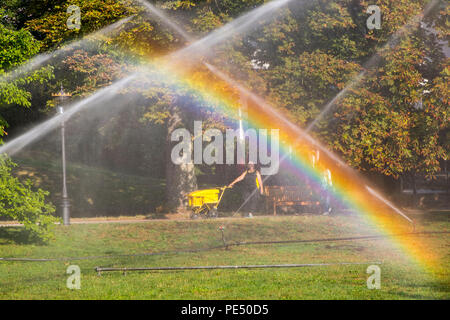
x,y
394,122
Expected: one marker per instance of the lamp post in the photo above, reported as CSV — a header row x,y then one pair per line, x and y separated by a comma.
x,y
65,203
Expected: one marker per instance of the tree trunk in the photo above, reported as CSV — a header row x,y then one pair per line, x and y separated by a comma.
x,y
180,179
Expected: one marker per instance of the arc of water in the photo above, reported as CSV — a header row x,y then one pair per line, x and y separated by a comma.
x,y
19,143
40,59
273,112
373,61
238,25
243,22
15,145
164,18
301,134
227,30
52,123
377,195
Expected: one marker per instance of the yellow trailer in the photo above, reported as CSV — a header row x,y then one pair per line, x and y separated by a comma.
x,y
204,203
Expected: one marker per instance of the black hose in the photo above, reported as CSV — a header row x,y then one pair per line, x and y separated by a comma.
x,y
99,270
226,245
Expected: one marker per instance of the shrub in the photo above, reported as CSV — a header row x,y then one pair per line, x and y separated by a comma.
x,y
20,202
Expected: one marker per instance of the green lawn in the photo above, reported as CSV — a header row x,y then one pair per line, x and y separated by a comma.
x,y
400,278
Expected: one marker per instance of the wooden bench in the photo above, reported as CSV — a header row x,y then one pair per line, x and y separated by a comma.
x,y
287,196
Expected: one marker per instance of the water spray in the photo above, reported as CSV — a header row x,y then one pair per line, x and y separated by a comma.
x,y
240,24
17,144
164,19
41,59
217,36
374,60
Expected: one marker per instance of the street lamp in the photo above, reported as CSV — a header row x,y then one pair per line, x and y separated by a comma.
x,y
65,203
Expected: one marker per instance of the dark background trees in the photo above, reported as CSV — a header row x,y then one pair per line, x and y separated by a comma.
x,y
394,123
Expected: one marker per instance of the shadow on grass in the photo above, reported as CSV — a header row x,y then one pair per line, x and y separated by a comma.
x,y
15,235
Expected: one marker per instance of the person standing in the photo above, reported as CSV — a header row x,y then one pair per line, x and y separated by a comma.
x,y
253,187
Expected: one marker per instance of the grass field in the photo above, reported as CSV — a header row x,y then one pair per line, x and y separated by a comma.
x,y
400,278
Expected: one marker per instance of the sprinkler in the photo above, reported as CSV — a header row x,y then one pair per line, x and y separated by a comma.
x,y
222,230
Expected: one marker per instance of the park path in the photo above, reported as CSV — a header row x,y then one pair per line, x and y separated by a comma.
x,y
89,221
177,217
127,220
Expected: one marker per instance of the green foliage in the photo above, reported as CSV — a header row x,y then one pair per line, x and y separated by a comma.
x,y
91,71
394,123
12,92
305,55
17,47
206,20
310,51
313,50
177,4
18,201
144,38
316,77
51,27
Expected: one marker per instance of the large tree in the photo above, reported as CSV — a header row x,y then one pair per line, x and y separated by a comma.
x,y
87,68
18,200
395,121
16,47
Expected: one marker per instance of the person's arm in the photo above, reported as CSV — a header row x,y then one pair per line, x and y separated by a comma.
x,y
260,182
240,178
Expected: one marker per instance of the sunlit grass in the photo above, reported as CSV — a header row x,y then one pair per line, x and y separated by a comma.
x,y
400,279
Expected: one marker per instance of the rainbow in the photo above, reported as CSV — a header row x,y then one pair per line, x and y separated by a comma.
x,y
349,187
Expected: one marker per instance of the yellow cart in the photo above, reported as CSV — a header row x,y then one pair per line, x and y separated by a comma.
x,y
204,203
